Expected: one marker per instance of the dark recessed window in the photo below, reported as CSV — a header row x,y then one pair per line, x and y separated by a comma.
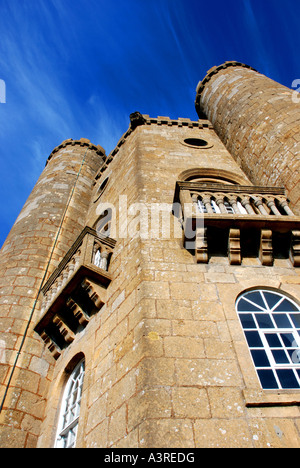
x,y
196,142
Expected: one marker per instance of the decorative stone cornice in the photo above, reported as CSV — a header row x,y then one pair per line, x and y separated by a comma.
x,y
213,71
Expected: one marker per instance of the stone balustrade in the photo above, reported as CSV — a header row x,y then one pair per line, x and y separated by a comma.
x,y
259,217
241,204
75,290
101,253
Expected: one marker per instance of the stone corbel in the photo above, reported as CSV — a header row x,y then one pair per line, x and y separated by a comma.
x,y
234,247
53,348
78,313
95,292
64,330
295,249
201,247
266,248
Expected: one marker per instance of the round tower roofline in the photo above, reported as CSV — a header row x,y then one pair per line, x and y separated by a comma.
x,y
213,71
82,142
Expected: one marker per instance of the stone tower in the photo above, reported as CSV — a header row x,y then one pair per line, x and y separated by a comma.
x,y
151,297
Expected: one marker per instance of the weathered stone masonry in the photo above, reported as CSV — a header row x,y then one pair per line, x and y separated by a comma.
x,y
258,121
166,360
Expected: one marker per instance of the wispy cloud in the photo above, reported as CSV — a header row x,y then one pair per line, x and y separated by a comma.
x,y
78,68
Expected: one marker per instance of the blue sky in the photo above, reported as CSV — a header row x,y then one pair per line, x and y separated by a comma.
x,y
78,68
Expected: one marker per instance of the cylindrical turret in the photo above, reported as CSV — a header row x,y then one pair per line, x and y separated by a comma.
x,y
50,221
258,120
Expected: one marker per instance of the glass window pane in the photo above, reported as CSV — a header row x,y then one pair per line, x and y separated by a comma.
x,y
282,321
286,306
260,358
253,339
264,321
280,356
271,298
288,339
267,379
247,321
245,306
296,320
287,378
273,340
255,296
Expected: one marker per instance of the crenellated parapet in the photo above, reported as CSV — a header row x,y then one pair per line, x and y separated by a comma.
x,y
83,142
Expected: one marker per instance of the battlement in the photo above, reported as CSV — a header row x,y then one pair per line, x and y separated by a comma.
x,y
213,71
84,142
137,119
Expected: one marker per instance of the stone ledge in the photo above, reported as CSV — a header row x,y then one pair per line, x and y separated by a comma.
x,y
259,398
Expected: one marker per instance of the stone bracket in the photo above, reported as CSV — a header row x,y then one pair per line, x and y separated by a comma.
x,y
295,249
71,312
201,247
266,248
234,247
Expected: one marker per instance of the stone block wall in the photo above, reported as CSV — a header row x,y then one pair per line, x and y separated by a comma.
x,y
167,364
166,361
24,261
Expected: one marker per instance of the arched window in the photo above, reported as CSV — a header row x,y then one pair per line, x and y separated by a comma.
x,y
70,409
213,176
271,323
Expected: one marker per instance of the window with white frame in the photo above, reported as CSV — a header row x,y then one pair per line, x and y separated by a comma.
x,y
70,409
271,324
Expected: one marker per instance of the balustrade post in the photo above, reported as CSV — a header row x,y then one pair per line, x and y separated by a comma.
x,y
271,204
206,198
71,267
219,197
65,276
104,259
195,201
284,205
245,202
259,204
232,198
77,258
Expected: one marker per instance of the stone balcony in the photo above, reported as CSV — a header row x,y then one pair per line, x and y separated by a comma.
x,y
75,291
238,221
